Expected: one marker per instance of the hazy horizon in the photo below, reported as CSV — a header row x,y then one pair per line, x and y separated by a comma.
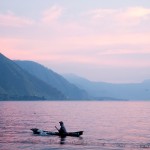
x,y
98,40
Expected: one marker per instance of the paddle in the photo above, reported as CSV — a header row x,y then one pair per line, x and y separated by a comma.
x,y
57,128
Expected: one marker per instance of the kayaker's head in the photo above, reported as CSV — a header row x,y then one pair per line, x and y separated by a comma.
x,y
61,123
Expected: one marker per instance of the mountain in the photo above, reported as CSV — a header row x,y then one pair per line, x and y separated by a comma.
x,y
50,77
17,84
110,91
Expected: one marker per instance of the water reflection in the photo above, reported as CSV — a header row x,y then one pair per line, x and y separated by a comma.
x,y
72,140
62,140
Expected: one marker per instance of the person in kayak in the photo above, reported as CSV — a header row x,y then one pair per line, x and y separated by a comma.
x,y
62,130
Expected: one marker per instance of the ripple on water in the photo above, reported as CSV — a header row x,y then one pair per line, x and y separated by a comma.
x,y
106,125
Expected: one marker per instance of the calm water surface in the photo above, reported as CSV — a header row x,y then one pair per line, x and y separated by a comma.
x,y
106,125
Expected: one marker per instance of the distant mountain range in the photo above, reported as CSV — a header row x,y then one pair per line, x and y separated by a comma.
x,y
28,80
53,79
17,84
110,91
34,83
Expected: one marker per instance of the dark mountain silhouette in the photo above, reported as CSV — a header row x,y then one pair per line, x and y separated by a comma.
x,y
50,77
17,84
110,91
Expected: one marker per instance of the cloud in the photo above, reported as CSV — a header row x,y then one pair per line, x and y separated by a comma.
x,y
133,15
84,39
100,13
11,20
127,16
52,14
137,12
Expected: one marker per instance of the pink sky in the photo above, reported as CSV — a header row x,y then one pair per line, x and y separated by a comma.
x,y
85,43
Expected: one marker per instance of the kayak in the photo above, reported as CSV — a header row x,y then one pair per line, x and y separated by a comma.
x,y
43,132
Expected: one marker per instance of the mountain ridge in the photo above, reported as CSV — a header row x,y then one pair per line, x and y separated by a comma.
x,y
16,83
112,91
53,79
28,80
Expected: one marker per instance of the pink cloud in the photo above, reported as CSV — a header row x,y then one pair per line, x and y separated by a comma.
x,y
52,14
128,16
74,41
100,13
133,15
11,20
137,12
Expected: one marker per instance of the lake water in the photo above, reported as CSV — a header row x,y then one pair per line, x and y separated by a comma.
x,y
106,125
